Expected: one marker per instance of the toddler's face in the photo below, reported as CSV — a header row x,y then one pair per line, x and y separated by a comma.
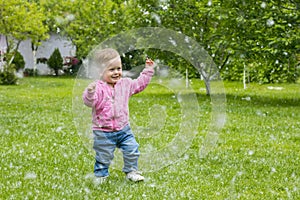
x,y
113,72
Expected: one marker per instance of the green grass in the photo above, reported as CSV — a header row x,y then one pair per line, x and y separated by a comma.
x,y
256,157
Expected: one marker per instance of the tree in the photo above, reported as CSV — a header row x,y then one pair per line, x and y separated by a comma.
x,y
55,61
85,23
258,36
187,18
263,36
265,39
20,20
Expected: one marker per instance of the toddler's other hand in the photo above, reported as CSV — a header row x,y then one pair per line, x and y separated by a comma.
x,y
91,87
150,63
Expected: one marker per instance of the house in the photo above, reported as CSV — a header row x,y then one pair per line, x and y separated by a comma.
x,y
44,51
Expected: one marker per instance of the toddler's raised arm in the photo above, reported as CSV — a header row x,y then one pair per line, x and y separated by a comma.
x,y
143,80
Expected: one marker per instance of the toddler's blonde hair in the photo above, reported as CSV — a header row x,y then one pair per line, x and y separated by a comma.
x,y
99,59
103,57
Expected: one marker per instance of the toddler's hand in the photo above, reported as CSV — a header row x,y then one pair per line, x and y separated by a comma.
x,y
149,63
91,87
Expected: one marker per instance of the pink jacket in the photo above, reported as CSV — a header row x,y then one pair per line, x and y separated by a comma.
x,y
109,105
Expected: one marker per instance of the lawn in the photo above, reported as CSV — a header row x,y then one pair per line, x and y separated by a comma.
x,y
45,153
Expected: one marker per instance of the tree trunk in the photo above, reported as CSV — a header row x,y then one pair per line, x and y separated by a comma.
x,y
205,77
186,78
34,50
15,51
207,86
7,44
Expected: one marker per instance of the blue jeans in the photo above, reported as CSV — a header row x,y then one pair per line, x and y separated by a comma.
x,y
105,144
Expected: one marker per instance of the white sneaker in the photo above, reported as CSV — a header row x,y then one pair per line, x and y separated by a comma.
x,y
135,176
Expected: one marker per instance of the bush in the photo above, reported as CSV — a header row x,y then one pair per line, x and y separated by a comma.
x,y
18,61
30,72
261,72
8,75
55,61
280,73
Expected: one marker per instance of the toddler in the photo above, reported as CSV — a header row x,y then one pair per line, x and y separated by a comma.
x,y
109,98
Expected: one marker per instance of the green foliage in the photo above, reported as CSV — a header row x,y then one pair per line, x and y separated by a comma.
x,y
30,72
86,23
263,32
18,61
8,75
233,71
21,20
175,62
55,61
260,72
132,59
278,73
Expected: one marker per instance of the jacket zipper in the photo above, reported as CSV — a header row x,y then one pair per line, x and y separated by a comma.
x,y
113,108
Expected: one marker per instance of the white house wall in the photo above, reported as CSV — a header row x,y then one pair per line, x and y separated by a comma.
x,y
45,50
